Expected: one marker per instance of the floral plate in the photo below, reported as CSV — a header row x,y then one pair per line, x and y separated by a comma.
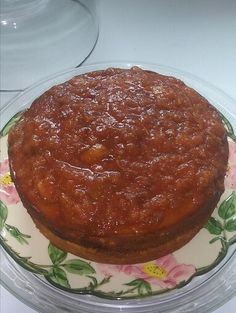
x,y
55,277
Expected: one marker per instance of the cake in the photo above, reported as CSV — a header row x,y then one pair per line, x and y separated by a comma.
x,y
119,166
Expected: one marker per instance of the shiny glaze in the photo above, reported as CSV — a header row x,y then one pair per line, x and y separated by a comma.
x,y
118,152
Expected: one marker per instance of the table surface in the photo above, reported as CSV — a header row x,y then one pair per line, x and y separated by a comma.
x,y
195,36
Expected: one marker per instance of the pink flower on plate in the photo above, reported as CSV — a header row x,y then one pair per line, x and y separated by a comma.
x,y
8,191
165,272
230,179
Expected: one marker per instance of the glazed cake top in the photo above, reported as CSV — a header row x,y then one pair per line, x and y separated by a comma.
x,y
118,152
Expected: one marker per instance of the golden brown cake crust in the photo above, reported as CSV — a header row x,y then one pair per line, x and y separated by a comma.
x,y
127,164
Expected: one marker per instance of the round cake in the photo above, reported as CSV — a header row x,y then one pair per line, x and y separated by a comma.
x,y
119,165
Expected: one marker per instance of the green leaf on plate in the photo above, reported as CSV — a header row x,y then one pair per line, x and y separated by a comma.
x,y
142,286
58,276
10,124
56,255
214,226
79,267
19,236
3,214
231,225
228,207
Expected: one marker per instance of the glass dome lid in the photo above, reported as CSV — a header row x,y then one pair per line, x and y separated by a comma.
x,y
42,37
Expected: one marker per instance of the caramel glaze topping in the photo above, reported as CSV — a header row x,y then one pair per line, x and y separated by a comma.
x,y
118,152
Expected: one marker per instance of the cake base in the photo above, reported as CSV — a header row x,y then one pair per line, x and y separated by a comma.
x,y
111,257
